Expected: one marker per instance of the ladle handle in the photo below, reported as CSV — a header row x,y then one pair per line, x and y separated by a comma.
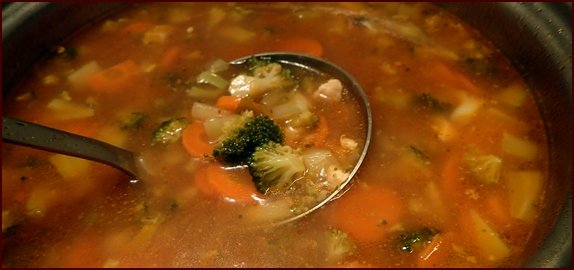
x,y
42,137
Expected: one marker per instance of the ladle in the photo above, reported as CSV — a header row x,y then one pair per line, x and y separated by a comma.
x,y
53,140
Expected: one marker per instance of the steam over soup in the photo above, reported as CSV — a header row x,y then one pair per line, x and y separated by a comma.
x,y
455,175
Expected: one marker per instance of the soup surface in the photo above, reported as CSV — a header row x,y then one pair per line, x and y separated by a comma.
x,y
455,175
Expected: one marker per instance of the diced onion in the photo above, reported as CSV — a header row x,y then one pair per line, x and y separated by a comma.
x,y
203,111
318,160
201,93
513,95
240,86
69,167
67,110
467,108
213,79
268,212
487,240
157,35
519,147
214,126
524,188
236,33
274,97
80,76
218,66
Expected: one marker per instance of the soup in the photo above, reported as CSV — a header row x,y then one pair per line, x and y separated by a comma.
x,y
455,175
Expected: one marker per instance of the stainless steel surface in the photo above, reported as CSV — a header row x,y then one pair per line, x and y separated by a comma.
x,y
46,138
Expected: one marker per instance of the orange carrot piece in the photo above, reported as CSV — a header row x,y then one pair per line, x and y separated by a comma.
x,y
202,183
444,73
194,140
84,127
136,28
170,57
229,103
367,213
236,186
305,45
116,78
451,174
436,252
82,252
498,211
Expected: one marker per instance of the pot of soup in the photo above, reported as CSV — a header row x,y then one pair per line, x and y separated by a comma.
x,y
469,162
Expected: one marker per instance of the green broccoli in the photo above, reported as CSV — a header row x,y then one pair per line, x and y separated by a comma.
x,y
413,238
428,102
169,131
273,167
134,121
305,119
242,135
338,245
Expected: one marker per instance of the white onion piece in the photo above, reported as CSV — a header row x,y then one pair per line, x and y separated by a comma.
x,y
80,76
214,126
203,111
240,86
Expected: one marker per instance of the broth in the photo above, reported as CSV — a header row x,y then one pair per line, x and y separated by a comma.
x,y
455,175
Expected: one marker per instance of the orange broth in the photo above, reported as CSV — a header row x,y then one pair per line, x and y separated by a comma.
x,y
455,175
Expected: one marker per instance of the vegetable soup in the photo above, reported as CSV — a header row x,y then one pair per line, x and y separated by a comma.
x,y
455,176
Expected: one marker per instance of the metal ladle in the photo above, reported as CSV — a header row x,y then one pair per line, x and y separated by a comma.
x,y
53,140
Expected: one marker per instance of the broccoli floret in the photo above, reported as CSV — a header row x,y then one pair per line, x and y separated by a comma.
x,y
338,245
484,168
428,102
305,119
274,166
169,131
244,134
134,121
414,238
265,76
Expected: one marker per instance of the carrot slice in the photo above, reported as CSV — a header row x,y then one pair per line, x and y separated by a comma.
x,y
498,210
170,57
85,127
444,73
235,186
229,103
116,78
194,140
367,213
82,252
436,252
305,45
451,174
137,27
202,183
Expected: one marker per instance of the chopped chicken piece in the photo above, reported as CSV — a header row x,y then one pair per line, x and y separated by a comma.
x,y
348,143
335,176
331,90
